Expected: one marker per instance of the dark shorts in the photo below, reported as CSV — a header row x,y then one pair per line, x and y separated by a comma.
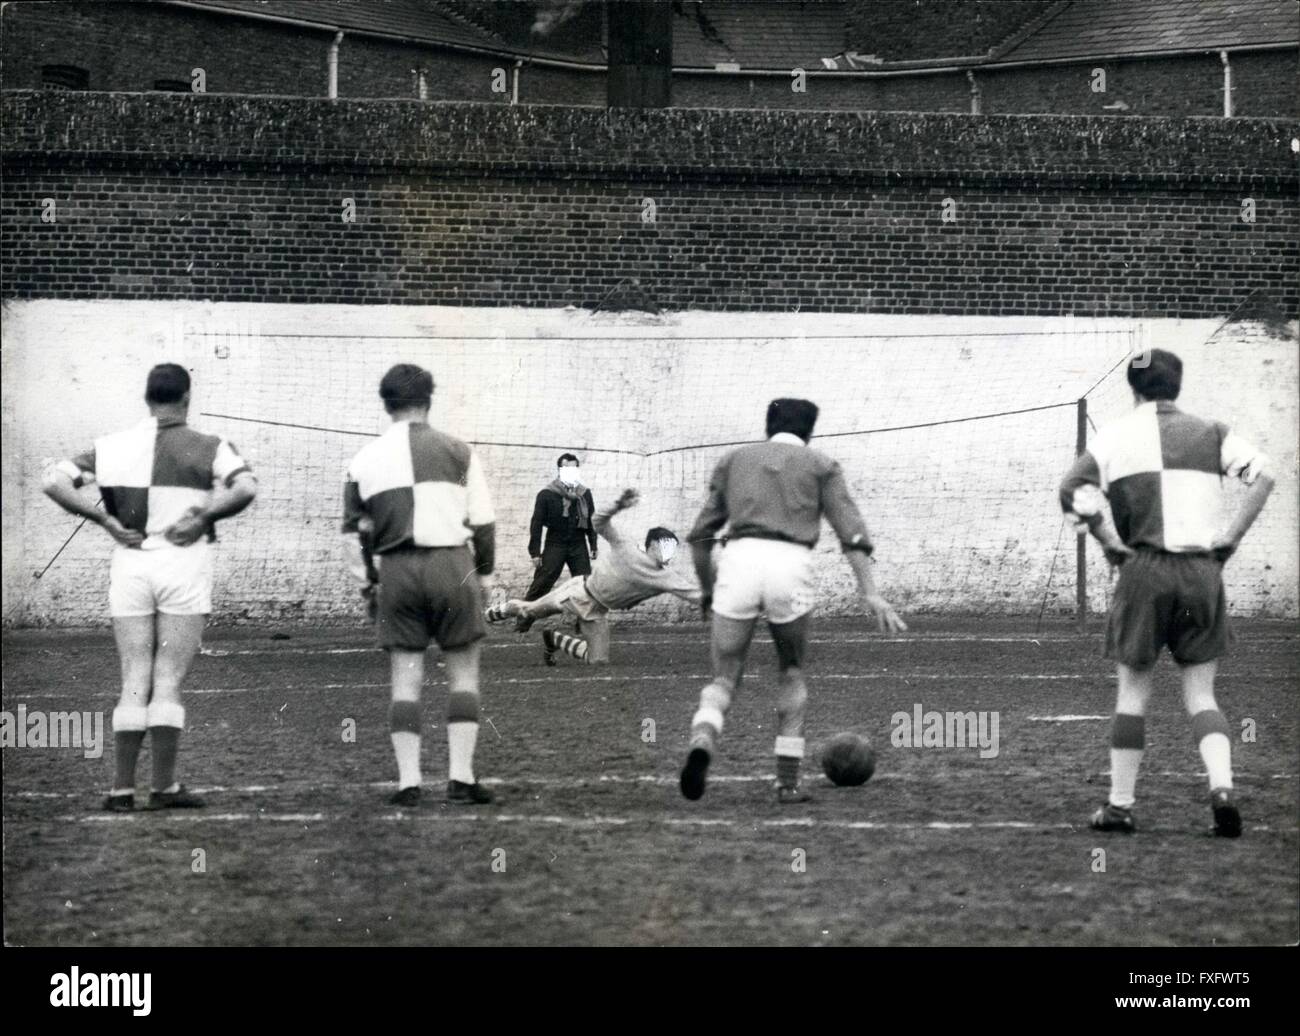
x,y
1173,600
429,594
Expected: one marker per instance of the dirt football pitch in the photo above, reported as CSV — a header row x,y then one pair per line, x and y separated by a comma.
x,y
590,841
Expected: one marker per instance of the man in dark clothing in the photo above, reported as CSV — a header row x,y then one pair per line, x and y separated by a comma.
x,y
564,509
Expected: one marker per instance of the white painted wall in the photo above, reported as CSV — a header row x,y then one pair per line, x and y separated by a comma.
x,y
964,513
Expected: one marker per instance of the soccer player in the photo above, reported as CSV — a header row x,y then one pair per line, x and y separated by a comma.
x,y
621,579
773,495
563,510
163,485
1161,471
421,498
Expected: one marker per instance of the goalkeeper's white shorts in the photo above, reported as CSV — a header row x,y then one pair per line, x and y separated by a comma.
x,y
769,577
171,580
572,598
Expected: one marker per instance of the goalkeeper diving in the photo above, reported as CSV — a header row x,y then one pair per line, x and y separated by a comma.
x,y
622,577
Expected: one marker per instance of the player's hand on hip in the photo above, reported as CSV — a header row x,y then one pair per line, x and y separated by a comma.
x,y
126,537
1223,548
188,529
887,620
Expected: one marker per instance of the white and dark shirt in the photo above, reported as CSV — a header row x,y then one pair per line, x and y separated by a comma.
x,y
1162,472
421,488
150,475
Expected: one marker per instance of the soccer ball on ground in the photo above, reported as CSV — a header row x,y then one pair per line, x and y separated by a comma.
x,y
848,759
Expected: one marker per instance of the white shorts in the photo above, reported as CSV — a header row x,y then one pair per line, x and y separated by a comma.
x,y
171,580
572,598
764,576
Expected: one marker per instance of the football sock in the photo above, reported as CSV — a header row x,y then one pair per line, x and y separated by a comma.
x,y
462,734
129,724
570,645
1210,728
404,726
789,753
706,724
166,720
1128,740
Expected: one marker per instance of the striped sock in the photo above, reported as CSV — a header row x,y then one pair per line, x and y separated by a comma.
x,y
1128,741
570,645
1212,733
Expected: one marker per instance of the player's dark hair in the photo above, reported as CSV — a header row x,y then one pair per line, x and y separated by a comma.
x,y
406,385
167,383
659,533
1157,374
796,416
567,456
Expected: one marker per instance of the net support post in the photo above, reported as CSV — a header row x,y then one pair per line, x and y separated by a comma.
x,y
1081,542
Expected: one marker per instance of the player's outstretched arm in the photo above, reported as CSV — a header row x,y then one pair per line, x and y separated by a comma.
x,y
59,488
887,620
603,520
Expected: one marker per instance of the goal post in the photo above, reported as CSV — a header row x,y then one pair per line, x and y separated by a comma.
x,y
1081,543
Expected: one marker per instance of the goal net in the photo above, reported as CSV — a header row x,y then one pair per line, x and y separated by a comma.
x,y
953,445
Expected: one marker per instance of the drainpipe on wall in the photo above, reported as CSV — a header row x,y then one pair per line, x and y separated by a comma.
x,y
974,92
334,66
1227,85
514,84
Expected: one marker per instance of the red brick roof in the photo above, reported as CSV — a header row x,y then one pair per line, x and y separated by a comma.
x,y
1093,28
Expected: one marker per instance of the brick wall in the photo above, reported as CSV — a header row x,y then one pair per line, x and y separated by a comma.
x,y
236,198
1264,85
128,46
